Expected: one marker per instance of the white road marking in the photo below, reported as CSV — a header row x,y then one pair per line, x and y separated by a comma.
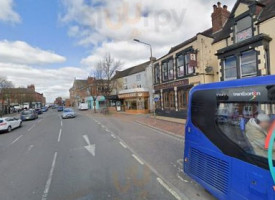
x,y
140,162
90,148
179,177
113,136
59,135
122,144
48,184
16,139
169,189
30,147
31,127
61,123
86,139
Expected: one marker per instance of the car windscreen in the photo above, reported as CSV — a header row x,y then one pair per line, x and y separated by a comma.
x,y
1,121
68,110
27,112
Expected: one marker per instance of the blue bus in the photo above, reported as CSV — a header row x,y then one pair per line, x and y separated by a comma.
x,y
224,138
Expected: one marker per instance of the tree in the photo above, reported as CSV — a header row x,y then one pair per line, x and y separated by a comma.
x,y
4,83
103,73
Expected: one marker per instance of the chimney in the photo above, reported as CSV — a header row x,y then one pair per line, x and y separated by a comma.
x,y
219,17
31,87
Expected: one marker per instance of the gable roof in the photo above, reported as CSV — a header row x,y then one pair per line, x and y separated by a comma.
x,y
131,70
267,12
80,83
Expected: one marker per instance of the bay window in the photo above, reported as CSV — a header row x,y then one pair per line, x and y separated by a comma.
x,y
248,63
230,68
164,68
156,74
170,69
180,66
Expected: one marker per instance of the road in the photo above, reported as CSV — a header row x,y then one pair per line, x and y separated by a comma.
x,y
91,157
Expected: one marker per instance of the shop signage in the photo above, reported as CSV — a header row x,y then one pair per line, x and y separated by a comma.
x,y
133,95
156,97
172,84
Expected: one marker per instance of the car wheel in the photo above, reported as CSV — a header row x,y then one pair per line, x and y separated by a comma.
x,y
9,129
20,124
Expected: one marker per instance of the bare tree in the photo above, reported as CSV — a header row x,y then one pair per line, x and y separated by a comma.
x,y
4,84
103,73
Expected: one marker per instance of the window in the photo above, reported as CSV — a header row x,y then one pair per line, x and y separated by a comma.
x,y
172,99
164,71
165,99
156,74
138,77
182,98
236,120
248,63
243,29
170,69
189,69
158,103
180,66
230,68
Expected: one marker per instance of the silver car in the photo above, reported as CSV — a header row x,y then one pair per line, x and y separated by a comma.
x,y
68,113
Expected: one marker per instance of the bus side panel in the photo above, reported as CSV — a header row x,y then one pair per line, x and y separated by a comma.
x,y
221,175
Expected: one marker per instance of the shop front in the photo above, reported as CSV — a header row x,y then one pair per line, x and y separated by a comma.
x,y
135,102
173,99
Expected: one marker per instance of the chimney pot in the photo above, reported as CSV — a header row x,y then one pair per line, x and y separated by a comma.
x,y
214,7
225,7
219,4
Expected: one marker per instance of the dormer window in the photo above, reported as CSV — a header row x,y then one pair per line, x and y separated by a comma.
x,y
243,29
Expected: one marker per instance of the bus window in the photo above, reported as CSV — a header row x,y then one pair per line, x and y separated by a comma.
x,y
237,119
246,124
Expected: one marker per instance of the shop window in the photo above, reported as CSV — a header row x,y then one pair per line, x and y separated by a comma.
x,y
158,103
230,68
172,99
182,98
249,63
156,74
180,66
243,29
165,99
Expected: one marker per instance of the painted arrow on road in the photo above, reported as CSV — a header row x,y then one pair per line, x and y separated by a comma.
x,y
89,147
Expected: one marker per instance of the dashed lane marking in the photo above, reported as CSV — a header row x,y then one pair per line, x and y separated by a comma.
x,y
59,135
31,127
122,144
168,189
48,183
16,139
137,158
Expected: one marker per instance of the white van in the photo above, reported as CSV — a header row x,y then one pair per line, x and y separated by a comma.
x,y
83,106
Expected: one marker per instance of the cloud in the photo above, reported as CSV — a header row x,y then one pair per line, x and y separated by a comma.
x,y
21,52
7,14
51,82
110,26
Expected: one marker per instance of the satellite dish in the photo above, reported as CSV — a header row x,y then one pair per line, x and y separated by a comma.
x,y
209,69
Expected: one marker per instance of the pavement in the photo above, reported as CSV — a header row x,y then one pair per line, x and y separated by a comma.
x,y
92,157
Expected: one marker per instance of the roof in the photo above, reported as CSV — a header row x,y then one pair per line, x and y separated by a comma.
x,y
206,33
267,12
17,90
78,83
131,70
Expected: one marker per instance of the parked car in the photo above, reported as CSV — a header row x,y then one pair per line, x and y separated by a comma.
x,y
39,111
9,123
68,113
29,115
83,106
60,108
44,109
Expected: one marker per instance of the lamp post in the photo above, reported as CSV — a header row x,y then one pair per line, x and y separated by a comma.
x,y
151,63
151,53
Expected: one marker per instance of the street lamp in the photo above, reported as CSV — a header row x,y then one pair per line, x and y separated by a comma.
x,y
136,40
